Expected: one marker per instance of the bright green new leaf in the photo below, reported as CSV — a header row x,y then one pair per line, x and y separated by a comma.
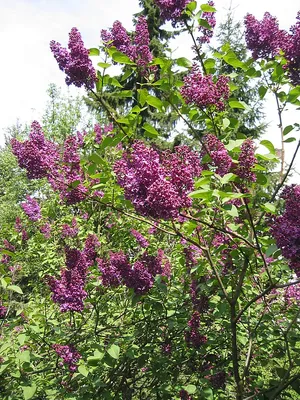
x,y
114,351
15,288
28,391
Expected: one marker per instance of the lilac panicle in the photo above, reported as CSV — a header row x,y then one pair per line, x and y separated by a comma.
x,y
247,160
137,50
156,188
205,33
69,354
192,335
264,38
32,209
37,155
68,291
75,62
142,241
218,154
171,10
286,228
203,91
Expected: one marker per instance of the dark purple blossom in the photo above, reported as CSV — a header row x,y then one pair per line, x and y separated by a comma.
x,y
200,301
75,62
218,380
32,209
37,155
69,354
192,335
171,10
205,33
286,228
292,52
156,188
46,230
68,291
114,269
90,248
247,160
218,154
70,230
264,38
183,394
3,311
137,50
142,241
203,91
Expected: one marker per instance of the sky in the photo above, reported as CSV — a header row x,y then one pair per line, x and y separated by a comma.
x,y
28,67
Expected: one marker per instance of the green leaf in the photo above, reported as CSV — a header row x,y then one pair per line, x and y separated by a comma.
x,y
271,250
192,6
121,58
104,65
208,394
15,288
237,104
83,370
289,140
114,82
234,62
201,194
234,144
207,8
191,389
227,178
152,132
288,129
94,52
269,208
154,102
114,351
226,123
28,391
262,91
269,145
183,62
204,23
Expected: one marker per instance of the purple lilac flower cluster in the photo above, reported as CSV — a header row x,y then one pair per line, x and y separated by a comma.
x,y
68,178
90,248
183,394
139,50
292,294
37,155
142,241
218,380
68,291
200,301
99,131
292,52
3,311
158,188
41,158
203,91
70,230
32,209
69,354
247,160
191,254
210,18
265,40
46,230
140,277
286,228
75,62
171,10
192,336
218,154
